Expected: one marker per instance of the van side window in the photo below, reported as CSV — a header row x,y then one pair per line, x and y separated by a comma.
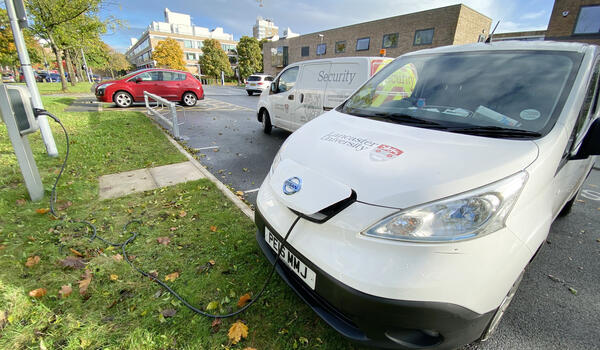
x,y
287,80
589,107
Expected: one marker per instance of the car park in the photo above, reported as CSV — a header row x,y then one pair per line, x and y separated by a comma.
x,y
172,85
406,216
307,89
257,83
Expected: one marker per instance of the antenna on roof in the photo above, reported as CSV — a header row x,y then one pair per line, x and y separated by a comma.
x,y
489,38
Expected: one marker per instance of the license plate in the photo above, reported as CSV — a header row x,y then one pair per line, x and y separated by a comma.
x,y
252,84
300,269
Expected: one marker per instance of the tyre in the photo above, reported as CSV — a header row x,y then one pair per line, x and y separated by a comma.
x,y
189,99
123,99
250,93
501,309
266,122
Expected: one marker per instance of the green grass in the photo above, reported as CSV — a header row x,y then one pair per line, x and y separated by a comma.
x,y
56,88
126,313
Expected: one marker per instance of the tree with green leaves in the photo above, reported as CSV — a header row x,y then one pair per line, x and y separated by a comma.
x,y
214,60
8,50
57,20
249,56
169,54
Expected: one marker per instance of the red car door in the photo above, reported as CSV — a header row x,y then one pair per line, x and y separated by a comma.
x,y
171,85
146,81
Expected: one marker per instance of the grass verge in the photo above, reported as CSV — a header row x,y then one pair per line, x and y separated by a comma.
x,y
56,88
210,246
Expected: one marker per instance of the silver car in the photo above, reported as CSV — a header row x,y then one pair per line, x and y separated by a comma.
x,y
258,83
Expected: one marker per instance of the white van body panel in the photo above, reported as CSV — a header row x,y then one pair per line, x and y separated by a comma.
x,y
321,85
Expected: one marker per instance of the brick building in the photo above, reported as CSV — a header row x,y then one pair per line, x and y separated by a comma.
x,y
451,25
575,20
177,26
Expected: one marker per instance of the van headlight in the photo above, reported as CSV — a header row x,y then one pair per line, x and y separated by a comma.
x,y
464,216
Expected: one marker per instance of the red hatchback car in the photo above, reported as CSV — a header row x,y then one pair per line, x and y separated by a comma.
x,y
173,85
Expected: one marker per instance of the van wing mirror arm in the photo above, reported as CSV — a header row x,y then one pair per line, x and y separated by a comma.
x,y
590,146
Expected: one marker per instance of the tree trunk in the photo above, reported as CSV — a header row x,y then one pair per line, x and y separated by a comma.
x,y
79,65
61,70
70,67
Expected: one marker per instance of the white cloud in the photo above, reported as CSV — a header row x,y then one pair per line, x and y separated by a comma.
x,y
533,15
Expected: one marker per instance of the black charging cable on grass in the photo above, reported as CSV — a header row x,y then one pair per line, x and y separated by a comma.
x,y
134,234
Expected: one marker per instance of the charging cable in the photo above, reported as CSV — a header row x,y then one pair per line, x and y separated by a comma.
x,y
134,234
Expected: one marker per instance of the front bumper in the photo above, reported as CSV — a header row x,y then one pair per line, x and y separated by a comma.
x,y
378,321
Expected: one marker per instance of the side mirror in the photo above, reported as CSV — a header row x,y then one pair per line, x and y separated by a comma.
x,y
274,88
138,80
590,146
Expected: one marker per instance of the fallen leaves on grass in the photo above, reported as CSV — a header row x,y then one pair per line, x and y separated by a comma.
x,y
2,247
172,276
212,262
249,348
42,210
32,261
168,313
213,305
213,228
64,205
237,331
114,277
85,282
73,262
38,293
21,202
173,228
65,291
216,324
75,252
163,240
239,193
182,213
244,299
117,257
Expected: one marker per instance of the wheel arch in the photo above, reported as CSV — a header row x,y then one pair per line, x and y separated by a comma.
x,y
122,90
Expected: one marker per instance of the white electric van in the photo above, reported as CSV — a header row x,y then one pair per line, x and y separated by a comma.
x,y
307,89
407,215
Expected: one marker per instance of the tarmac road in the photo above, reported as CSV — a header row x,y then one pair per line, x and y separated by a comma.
x,y
545,313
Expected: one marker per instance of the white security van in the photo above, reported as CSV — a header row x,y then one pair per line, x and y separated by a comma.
x,y
406,216
305,90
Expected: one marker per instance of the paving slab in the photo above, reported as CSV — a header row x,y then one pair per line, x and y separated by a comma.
x,y
168,175
122,184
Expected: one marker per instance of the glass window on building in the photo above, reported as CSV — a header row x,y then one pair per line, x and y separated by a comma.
x,y
304,51
321,49
340,46
390,40
199,44
423,37
588,20
188,44
279,56
190,56
362,44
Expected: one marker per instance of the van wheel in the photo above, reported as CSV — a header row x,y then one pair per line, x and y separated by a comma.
x,y
250,93
493,325
266,122
123,99
189,99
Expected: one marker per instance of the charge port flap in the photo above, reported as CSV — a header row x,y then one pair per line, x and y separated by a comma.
x,y
312,193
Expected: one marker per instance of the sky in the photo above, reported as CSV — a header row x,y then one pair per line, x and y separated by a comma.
x,y
307,16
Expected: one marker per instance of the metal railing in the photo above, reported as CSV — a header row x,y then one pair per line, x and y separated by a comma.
x,y
169,119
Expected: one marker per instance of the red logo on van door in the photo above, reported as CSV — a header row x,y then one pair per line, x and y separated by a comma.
x,y
385,152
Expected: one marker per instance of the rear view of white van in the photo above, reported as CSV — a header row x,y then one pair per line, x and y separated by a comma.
x,y
305,90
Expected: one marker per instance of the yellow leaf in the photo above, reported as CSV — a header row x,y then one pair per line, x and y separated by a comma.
x,y
213,305
42,210
239,193
182,213
75,252
212,262
213,228
65,291
114,277
38,293
32,261
117,257
85,282
237,331
172,276
249,348
244,299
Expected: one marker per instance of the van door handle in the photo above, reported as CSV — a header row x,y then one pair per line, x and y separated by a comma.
x,y
290,97
301,98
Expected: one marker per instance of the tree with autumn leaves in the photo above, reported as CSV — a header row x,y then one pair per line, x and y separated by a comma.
x,y
214,60
8,50
169,54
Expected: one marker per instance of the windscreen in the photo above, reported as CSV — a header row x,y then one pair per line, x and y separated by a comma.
x,y
516,91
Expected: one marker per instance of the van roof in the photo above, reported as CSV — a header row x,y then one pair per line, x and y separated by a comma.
x,y
508,45
340,59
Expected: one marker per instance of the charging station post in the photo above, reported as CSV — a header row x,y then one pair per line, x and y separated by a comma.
x,y
15,18
17,114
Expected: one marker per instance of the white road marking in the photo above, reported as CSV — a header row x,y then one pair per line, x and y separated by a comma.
x,y
201,148
251,191
589,194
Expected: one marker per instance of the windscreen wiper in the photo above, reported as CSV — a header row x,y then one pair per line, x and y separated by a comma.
x,y
495,131
402,118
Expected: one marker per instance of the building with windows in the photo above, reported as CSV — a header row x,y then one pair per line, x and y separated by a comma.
x,y
575,20
451,25
177,26
264,29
